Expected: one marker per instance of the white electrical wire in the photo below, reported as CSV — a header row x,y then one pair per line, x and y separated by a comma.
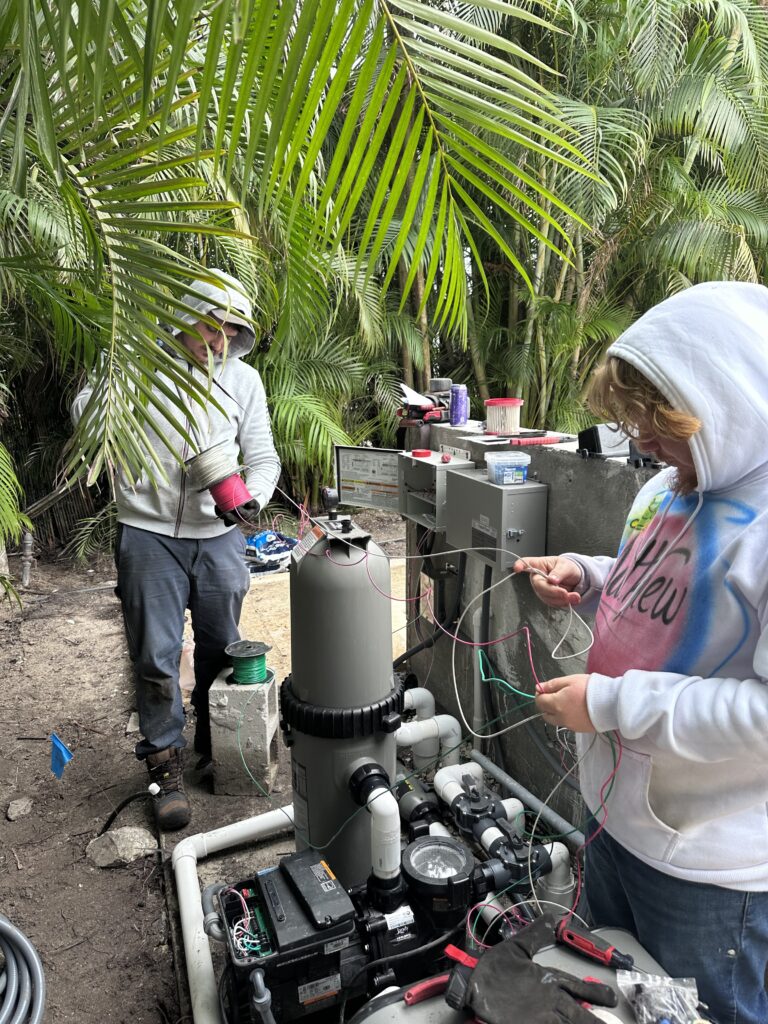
x,y
477,735
554,655
211,466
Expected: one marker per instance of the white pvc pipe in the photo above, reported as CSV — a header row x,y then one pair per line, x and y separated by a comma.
x,y
450,739
429,736
197,951
423,736
385,833
489,836
513,809
420,700
491,909
558,885
448,780
437,828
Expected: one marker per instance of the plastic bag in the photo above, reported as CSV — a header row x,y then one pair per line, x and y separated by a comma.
x,y
655,999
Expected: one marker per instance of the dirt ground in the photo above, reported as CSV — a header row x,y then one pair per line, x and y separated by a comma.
x,y
108,937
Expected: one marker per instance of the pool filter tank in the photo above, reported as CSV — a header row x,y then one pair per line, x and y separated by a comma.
x,y
341,705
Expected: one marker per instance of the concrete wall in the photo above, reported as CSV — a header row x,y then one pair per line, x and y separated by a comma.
x,y
587,505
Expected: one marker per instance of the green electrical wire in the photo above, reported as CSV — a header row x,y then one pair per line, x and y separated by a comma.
x,y
502,682
250,670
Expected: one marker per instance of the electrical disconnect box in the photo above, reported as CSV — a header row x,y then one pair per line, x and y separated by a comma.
x,y
421,486
508,520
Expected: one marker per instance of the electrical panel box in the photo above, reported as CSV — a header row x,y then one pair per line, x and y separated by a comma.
x,y
508,520
421,486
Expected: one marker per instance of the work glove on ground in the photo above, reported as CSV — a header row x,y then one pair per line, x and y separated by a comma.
x,y
242,515
507,985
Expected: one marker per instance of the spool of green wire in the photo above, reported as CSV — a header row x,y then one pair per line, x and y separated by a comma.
x,y
249,661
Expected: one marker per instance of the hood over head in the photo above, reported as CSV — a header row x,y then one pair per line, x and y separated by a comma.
x,y
706,350
225,299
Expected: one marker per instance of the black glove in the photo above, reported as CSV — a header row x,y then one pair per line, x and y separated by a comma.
x,y
242,515
507,985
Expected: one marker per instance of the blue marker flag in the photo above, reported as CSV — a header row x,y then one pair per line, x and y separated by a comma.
x,y
61,755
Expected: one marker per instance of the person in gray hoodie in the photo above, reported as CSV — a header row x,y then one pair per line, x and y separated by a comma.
x,y
671,715
175,550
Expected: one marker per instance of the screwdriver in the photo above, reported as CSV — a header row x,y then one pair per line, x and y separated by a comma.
x,y
591,946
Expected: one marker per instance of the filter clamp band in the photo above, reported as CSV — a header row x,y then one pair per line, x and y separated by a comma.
x,y
340,723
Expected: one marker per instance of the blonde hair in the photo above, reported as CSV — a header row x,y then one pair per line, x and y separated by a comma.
x,y
621,394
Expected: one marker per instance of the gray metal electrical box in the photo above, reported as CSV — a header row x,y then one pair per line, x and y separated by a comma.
x,y
421,486
509,520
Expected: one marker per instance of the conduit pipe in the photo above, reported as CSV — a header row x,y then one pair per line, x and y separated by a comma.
x,y
202,982
429,737
569,833
478,716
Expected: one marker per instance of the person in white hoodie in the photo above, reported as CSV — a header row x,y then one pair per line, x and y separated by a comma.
x,y
175,549
673,706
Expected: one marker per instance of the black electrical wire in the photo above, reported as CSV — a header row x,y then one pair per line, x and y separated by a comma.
x,y
23,980
120,806
485,636
445,937
430,641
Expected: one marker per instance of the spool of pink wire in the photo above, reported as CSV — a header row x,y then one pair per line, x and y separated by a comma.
x,y
216,470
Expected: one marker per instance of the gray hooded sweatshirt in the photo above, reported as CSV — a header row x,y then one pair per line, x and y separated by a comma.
x,y
175,508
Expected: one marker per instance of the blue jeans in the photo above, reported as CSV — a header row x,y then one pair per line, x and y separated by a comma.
x,y
717,936
158,578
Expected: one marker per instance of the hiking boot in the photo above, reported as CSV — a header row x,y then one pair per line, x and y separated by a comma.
x,y
171,803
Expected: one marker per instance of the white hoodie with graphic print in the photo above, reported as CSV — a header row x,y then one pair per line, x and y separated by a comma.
x,y
174,508
679,667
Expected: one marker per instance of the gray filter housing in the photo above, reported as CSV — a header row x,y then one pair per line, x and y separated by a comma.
x,y
340,706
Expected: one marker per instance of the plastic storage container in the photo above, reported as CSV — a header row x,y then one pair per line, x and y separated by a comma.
x,y
507,467
502,415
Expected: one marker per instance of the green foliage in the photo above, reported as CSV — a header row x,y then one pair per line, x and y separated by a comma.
x,y
395,182
311,148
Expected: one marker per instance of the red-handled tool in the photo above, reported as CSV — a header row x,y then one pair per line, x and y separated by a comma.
x,y
591,946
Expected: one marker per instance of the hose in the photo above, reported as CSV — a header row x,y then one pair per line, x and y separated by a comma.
x,y
450,618
23,981
212,923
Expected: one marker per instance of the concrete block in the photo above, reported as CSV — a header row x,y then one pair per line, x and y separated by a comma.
x,y
244,728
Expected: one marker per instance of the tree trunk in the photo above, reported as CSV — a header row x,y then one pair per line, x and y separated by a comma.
x,y
478,362
405,352
423,324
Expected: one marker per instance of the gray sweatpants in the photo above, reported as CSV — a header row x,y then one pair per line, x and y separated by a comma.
x,y
158,578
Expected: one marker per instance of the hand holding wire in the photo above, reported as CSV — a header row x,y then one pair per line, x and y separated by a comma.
x,y
563,701
554,579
